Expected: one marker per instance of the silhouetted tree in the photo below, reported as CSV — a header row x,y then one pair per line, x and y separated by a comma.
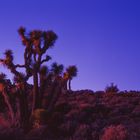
x,y
56,72
36,43
3,90
57,69
72,72
22,80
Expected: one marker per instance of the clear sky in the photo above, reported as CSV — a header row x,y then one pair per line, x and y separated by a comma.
x,y
101,37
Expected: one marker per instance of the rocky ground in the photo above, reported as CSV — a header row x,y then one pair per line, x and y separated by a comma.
x,y
85,115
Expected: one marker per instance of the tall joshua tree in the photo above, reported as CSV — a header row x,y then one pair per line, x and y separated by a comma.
x,y
72,72
36,44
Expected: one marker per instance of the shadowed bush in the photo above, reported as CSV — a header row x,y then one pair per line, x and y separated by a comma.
x,y
118,132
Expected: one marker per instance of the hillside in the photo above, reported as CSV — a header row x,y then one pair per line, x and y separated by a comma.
x,y
85,115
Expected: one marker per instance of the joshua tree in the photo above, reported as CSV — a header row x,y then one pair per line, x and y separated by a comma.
x,y
57,70
3,90
72,72
19,78
36,44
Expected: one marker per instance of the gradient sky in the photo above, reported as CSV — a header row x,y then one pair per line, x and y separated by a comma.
x,y
101,37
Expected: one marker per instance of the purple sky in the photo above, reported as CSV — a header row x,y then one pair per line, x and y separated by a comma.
x,y
101,37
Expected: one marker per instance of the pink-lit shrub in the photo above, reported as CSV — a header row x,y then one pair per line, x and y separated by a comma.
x,y
118,132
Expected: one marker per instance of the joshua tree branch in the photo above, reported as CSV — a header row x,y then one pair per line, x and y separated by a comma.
x,y
46,59
19,66
45,47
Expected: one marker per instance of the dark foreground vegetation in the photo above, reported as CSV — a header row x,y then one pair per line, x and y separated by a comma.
x,y
82,115
48,109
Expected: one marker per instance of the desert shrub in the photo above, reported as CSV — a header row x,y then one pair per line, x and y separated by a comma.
x,y
11,133
112,88
136,112
63,108
68,128
4,121
99,92
83,132
117,132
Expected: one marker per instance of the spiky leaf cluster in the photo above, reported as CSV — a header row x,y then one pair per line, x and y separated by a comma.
x,y
20,78
72,71
57,69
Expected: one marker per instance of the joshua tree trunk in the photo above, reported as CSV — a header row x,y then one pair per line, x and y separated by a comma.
x,y
42,88
7,101
56,92
35,90
69,83
24,114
